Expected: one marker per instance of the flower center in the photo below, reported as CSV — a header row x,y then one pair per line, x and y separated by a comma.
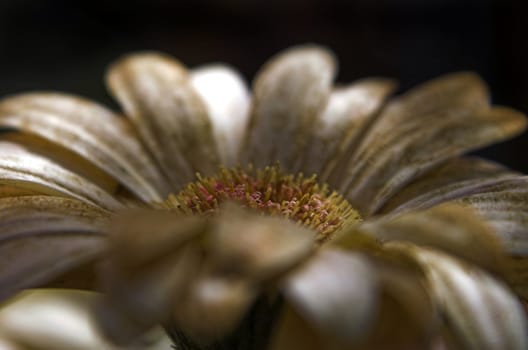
x,y
271,192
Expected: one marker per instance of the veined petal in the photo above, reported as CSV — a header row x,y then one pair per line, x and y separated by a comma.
x,y
19,167
430,124
156,93
348,112
480,312
44,236
91,131
43,319
290,91
227,99
456,178
504,205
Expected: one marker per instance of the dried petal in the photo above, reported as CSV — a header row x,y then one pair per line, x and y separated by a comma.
x,y
156,93
428,125
290,91
337,129
456,178
91,131
21,168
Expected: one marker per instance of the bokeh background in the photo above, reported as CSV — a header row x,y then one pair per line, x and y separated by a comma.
x,y
66,45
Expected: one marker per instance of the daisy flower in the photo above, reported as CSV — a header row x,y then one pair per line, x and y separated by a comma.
x,y
298,216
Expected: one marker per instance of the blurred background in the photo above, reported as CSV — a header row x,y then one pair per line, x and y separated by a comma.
x,y
66,45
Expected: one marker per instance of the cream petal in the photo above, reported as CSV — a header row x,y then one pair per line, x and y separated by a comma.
x,y
21,168
456,178
45,319
91,131
42,237
323,290
480,311
452,228
430,124
290,91
156,93
227,99
348,112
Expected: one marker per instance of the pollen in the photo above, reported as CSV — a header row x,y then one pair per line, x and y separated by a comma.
x,y
269,191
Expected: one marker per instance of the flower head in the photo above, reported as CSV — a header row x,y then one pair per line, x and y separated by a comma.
x,y
302,215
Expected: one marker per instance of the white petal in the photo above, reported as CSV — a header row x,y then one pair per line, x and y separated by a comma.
x,y
227,99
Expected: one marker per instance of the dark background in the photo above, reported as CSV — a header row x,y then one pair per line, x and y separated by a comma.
x,y
66,45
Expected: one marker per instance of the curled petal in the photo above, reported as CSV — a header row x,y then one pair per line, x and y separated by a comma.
x,y
289,92
156,93
90,131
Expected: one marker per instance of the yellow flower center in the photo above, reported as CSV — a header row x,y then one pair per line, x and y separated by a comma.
x,y
296,197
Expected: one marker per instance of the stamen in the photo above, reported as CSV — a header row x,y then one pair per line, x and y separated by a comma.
x,y
296,197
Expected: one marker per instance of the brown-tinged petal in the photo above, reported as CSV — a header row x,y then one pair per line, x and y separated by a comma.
x,y
336,293
227,99
290,91
255,246
458,177
44,319
504,205
90,131
452,228
156,93
19,167
479,311
41,237
444,118
337,129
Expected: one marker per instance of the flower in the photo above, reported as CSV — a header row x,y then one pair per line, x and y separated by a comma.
x,y
194,208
